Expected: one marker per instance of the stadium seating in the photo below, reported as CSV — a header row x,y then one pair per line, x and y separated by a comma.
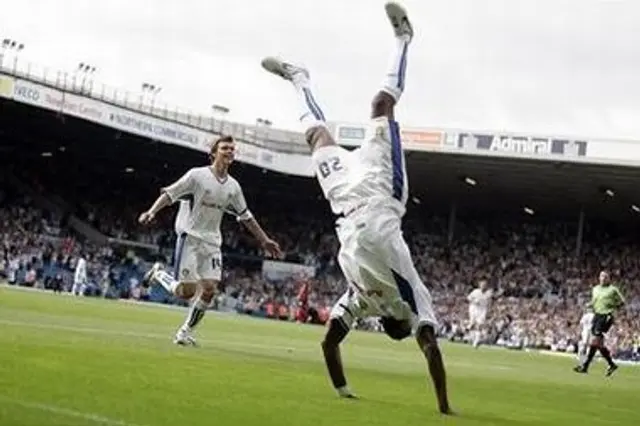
x,y
543,287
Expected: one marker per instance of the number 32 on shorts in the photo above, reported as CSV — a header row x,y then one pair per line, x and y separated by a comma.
x,y
332,164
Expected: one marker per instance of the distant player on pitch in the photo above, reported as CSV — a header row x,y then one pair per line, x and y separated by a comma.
x,y
606,299
586,324
80,277
479,304
368,189
210,192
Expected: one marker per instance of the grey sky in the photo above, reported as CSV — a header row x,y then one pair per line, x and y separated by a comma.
x,y
544,66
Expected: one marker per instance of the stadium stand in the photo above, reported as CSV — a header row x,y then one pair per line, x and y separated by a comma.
x,y
69,187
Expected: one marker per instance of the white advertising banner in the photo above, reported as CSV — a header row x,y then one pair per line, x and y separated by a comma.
x,y
148,126
274,270
505,145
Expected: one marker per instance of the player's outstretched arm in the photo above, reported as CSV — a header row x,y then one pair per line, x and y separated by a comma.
x,y
336,332
183,186
269,245
161,202
429,345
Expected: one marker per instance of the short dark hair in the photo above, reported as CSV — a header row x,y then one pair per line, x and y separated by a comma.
x,y
395,328
217,142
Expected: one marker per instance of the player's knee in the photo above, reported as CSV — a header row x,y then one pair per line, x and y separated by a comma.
x,y
382,105
319,136
208,290
336,332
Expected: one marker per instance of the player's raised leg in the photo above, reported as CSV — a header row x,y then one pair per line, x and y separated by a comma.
x,y
311,114
181,287
393,86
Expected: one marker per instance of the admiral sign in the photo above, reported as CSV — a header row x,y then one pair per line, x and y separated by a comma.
x,y
527,145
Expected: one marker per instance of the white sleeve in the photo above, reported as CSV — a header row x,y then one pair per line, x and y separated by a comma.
x,y
186,185
239,205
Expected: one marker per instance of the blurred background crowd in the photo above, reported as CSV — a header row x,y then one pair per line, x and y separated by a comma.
x,y
72,189
543,287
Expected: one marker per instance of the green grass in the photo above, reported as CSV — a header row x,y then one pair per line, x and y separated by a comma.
x,y
69,361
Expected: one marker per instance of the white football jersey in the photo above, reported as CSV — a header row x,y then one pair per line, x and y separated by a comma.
x,y
182,217
80,274
382,159
374,172
479,299
337,175
208,198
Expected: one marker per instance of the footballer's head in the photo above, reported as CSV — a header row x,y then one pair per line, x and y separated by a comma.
x,y
223,150
395,328
603,278
483,285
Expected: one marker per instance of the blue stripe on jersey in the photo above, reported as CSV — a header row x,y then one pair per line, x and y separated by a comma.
x,y
402,68
313,105
177,256
405,290
396,160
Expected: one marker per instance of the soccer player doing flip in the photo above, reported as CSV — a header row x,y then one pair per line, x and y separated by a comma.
x,y
367,188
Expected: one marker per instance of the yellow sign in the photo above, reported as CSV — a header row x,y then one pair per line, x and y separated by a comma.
x,y
6,87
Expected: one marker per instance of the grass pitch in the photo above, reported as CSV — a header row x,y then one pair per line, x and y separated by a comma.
x,y
68,361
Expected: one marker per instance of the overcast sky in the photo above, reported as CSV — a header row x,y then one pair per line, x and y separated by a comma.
x,y
546,66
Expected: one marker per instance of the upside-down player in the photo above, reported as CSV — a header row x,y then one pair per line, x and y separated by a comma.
x,y
210,192
368,189
605,300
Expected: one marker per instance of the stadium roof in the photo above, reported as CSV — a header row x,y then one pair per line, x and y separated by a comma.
x,y
437,180
545,186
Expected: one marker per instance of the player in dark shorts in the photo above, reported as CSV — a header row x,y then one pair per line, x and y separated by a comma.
x,y
605,300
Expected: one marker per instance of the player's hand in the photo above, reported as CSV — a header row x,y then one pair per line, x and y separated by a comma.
x,y
272,248
146,218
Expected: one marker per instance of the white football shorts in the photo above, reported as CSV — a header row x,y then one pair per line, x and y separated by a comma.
x,y
376,261
196,260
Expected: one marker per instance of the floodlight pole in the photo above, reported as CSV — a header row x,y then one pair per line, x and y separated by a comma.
x,y
452,223
580,234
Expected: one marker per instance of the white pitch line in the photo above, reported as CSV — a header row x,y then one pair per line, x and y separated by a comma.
x,y
95,418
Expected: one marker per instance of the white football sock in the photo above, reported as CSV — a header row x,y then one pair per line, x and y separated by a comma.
x,y
165,280
477,337
311,114
394,83
196,313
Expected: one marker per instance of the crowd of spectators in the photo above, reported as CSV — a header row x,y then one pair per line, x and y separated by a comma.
x,y
543,286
